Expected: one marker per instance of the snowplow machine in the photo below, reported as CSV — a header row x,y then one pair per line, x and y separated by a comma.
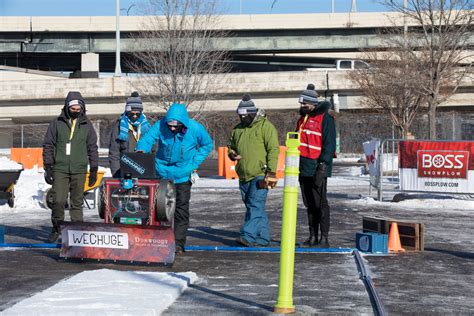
x,y
138,217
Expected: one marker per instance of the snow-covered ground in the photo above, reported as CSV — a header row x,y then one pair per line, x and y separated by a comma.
x,y
107,292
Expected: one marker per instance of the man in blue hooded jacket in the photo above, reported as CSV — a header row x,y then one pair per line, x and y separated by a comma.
x,y
183,144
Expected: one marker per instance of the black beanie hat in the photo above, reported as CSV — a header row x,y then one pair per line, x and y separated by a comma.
x,y
309,96
74,98
246,106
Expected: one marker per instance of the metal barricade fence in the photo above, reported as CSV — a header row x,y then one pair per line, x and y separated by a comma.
x,y
387,177
22,135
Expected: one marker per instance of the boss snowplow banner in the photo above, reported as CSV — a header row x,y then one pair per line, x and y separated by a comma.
x,y
437,166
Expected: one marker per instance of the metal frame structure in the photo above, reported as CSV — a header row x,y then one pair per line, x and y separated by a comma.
x,y
387,149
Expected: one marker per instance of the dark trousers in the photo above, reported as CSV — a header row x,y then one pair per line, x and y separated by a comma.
x,y
181,214
73,184
316,202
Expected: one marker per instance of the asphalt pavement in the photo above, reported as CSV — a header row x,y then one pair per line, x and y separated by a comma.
x,y
439,280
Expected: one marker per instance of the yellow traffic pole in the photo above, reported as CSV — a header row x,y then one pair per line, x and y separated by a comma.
x,y
284,303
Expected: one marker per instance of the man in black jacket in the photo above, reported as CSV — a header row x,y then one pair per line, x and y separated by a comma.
x,y
70,144
318,146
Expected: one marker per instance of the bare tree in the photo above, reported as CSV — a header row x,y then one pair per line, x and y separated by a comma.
x,y
393,84
177,54
443,29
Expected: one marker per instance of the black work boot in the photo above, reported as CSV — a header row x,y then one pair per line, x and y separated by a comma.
x,y
324,242
179,250
313,238
54,236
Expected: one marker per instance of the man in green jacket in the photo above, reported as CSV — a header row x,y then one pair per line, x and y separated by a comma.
x,y
254,145
70,144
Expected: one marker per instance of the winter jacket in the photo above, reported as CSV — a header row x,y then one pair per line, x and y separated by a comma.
x,y
83,145
178,154
319,138
117,147
258,146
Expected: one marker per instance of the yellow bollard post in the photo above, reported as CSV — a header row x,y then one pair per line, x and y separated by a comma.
x,y
284,303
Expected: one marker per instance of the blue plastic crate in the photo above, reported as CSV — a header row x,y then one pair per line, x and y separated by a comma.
x,y
372,242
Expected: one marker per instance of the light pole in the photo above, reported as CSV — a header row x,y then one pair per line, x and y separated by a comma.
x,y
118,70
354,6
405,27
332,6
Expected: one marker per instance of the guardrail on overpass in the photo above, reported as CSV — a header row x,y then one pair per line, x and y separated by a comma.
x,y
255,33
23,99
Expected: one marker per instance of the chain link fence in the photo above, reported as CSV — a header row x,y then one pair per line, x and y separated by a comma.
x,y
22,135
354,127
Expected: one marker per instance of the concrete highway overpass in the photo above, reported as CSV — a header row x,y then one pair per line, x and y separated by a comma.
x,y
257,42
24,100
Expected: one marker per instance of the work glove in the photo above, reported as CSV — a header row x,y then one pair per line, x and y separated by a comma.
x,y
92,176
269,182
194,177
271,179
233,156
320,174
48,174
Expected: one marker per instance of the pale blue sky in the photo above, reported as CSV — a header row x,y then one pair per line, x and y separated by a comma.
x,y
107,7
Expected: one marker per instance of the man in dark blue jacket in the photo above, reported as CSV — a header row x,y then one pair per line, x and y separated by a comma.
x,y
183,144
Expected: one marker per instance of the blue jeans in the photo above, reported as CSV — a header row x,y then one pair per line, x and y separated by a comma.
x,y
255,228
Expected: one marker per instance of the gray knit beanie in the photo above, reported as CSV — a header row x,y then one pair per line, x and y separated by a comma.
x,y
134,103
309,96
246,106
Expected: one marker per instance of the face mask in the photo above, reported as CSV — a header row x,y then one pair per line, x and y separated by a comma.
x,y
246,120
176,128
74,115
305,110
133,117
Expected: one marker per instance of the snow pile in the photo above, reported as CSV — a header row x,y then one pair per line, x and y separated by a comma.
x,y
427,204
356,171
31,187
7,164
29,190
108,292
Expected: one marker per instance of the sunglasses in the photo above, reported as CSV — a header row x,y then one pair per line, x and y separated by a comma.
x,y
175,126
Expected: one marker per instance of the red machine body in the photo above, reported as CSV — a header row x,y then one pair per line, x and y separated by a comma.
x,y
138,224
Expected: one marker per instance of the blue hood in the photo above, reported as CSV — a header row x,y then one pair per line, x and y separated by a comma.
x,y
177,112
178,154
